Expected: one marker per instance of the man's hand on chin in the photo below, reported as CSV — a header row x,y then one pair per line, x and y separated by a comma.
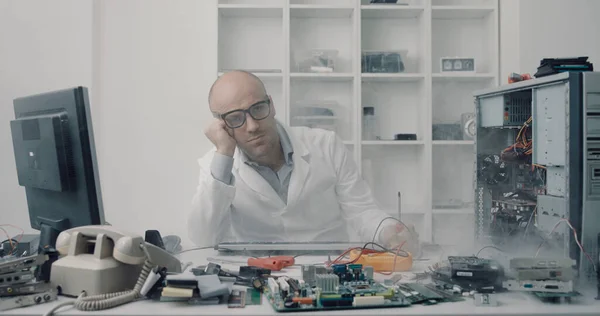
x,y
399,235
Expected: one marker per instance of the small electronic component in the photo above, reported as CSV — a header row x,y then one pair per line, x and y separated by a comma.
x,y
456,64
541,275
17,277
471,273
177,292
515,205
368,271
211,286
253,297
327,282
557,269
26,288
558,274
12,264
485,299
27,300
257,283
273,285
237,299
419,294
368,300
541,263
308,274
556,297
405,136
538,286
248,272
27,244
284,286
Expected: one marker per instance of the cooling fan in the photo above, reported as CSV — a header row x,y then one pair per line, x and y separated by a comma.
x,y
493,170
469,126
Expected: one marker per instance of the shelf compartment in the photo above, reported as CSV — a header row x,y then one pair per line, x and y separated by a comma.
x,y
325,76
480,3
261,74
466,38
251,10
400,164
313,35
332,100
398,77
453,142
383,11
393,35
461,12
321,11
452,175
398,107
275,90
452,99
406,210
458,211
472,77
248,33
457,231
393,142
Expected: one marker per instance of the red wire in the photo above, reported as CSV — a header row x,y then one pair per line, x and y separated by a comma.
x,y
576,240
395,257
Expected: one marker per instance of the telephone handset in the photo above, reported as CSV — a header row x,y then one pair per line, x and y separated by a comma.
x,y
108,265
127,247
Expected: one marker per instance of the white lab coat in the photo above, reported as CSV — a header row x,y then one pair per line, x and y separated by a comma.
x,y
325,194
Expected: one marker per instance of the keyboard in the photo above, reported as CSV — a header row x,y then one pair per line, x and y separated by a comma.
x,y
286,247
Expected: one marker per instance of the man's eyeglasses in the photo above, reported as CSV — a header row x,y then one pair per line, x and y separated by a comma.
x,y
236,118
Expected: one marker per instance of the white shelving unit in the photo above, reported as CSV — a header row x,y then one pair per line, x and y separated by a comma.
x,y
265,36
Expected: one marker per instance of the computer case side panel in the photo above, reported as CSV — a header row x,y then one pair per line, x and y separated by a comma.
x,y
590,171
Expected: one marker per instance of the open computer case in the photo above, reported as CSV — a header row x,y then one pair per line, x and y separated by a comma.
x,y
537,167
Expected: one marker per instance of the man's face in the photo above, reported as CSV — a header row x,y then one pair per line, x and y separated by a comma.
x,y
256,137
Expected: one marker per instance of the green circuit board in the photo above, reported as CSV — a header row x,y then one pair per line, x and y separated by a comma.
x,y
331,302
342,287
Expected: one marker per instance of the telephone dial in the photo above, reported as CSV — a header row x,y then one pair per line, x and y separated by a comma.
x,y
104,262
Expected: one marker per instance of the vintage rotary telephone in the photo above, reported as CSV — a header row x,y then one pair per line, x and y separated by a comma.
x,y
105,267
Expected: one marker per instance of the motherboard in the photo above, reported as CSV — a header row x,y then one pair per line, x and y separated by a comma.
x,y
341,286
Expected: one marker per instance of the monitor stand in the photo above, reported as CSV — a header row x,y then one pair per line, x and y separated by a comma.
x,y
49,231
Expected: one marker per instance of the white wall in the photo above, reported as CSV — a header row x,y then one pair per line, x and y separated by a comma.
x,y
44,46
149,65
156,62
509,38
566,28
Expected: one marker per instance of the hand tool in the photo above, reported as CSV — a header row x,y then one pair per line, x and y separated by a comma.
x,y
272,263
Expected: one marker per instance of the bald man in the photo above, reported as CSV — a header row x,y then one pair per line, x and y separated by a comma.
x,y
264,181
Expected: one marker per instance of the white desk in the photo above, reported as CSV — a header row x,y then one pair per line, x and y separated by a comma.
x,y
510,303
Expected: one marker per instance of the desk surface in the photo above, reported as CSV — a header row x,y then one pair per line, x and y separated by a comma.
x,y
509,303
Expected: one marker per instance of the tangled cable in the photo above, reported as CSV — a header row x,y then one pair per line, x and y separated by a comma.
x,y
110,300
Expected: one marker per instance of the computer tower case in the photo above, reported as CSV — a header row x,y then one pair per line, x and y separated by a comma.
x,y
537,167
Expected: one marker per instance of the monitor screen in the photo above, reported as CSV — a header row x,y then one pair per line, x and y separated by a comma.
x,y
56,161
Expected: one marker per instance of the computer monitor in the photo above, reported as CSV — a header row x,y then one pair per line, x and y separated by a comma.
x,y
56,162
